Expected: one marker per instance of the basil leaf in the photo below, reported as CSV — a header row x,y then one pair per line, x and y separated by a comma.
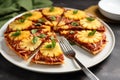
x,y
42,36
34,40
41,20
17,33
38,24
53,18
75,24
48,46
75,11
51,9
92,33
90,18
33,31
27,15
21,20
53,44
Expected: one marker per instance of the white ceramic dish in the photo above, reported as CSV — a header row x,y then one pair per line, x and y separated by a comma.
x,y
69,66
110,8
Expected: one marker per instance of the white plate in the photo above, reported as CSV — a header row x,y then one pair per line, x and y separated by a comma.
x,y
69,66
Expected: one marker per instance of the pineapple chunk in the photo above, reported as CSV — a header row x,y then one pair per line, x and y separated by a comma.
x,y
27,44
16,25
35,15
23,34
79,15
56,11
90,24
51,52
83,36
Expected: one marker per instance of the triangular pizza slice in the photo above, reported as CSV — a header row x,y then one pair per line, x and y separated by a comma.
x,y
24,43
91,40
49,52
53,14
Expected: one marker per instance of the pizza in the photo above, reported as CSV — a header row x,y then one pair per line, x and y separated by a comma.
x,y
33,34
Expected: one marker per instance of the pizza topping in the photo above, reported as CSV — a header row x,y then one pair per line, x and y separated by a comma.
x,y
83,36
23,34
16,25
34,40
38,24
78,14
51,52
53,44
53,18
28,45
17,33
41,20
54,11
42,36
92,33
35,15
72,32
51,9
90,24
75,11
90,18
33,31
75,24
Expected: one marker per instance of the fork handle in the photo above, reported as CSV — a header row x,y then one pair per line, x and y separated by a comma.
x,y
90,75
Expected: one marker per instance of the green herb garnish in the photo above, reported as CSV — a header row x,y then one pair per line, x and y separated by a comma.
x,y
90,18
41,20
27,15
34,40
33,31
17,33
42,36
53,18
53,44
51,9
75,24
75,11
37,24
21,20
92,33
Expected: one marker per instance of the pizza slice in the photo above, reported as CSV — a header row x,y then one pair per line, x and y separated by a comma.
x,y
91,40
70,19
79,20
49,52
28,21
53,14
24,43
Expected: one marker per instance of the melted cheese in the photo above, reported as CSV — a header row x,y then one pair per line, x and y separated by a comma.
x,y
23,35
83,36
79,15
51,52
90,24
35,15
16,25
55,12
27,44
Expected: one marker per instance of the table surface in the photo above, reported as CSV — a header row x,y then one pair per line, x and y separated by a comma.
x,y
109,69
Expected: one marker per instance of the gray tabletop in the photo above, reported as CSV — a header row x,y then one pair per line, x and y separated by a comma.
x,y
109,69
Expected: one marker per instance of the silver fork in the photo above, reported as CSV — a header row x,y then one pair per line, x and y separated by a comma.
x,y
70,53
